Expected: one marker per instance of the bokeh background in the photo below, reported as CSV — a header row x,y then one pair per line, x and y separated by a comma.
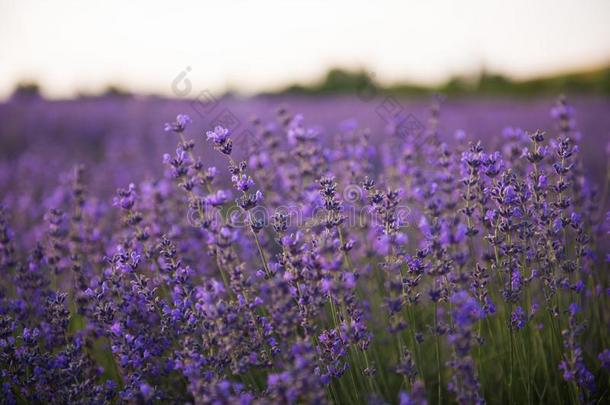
x,y
72,47
93,82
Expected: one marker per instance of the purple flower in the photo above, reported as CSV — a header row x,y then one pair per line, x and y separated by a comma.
x,y
573,308
417,396
243,182
217,199
604,358
146,390
466,309
179,125
116,329
490,215
518,318
542,181
219,135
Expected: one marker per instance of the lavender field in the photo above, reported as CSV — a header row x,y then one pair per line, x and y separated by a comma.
x,y
305,250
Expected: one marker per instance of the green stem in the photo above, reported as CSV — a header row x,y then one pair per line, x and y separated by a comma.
x,y
438,357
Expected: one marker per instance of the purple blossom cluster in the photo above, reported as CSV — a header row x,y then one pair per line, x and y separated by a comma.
x,y
242,278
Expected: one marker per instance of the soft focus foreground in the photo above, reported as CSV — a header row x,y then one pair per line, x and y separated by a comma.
x,y
289,259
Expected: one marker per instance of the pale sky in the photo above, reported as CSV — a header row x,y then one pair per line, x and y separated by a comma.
x,y
72,45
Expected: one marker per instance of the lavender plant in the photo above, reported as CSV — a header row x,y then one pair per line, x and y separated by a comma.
x,y
296,270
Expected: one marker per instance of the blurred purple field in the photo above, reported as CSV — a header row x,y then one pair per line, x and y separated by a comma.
x,y
121,140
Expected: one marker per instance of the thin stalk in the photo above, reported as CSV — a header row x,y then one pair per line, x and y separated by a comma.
x,y
439,378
